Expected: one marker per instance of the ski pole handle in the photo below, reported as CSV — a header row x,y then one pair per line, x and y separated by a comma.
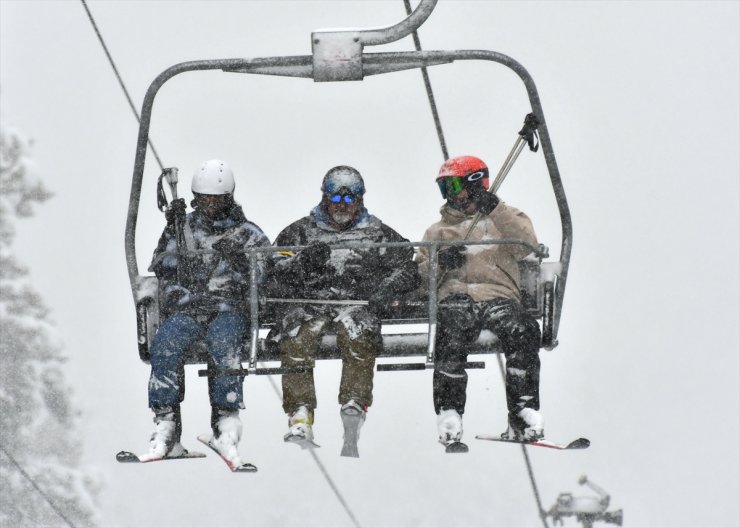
x,y
170,174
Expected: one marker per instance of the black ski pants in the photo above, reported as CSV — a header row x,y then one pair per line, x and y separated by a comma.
x,y
457,331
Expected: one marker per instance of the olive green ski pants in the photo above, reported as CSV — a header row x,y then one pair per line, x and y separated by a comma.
x,y
358,362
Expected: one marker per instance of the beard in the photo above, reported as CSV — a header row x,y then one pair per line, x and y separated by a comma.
x,y
341,218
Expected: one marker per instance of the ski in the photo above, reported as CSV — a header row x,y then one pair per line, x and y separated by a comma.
x,y
125,457
455,446
579,443
236,465
352,422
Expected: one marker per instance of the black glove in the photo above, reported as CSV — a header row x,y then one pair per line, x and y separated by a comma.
x,y
229,247
173,298
486,202
313,258
451,258
379,301
175,212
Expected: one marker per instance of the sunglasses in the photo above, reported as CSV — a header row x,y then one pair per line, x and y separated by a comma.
x,y
339,198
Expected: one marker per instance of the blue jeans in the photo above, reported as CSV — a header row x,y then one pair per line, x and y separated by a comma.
x,y
223,336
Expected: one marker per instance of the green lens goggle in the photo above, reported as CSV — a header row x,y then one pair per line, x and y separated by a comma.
x,y
451,186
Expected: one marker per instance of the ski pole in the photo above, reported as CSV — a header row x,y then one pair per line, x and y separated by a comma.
x,y
170,175
526,136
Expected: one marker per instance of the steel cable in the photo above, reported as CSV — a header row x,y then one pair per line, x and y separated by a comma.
x,y
120,79
36,487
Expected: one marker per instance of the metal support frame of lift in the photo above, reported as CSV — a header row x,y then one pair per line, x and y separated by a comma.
x,y
338,56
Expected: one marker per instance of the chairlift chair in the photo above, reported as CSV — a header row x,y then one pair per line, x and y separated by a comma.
x,y
339,56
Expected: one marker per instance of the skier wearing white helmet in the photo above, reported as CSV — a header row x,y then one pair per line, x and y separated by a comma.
x,y
204,299
480,287
321,272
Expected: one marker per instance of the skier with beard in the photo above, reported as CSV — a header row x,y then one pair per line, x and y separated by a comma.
x,y
204,299
321,272
481,287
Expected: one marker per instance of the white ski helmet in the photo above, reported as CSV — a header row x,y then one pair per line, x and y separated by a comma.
x,y
213,177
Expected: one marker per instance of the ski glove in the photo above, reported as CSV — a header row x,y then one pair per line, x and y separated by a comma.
x,y
379,301
175,212
313,258
451,258
232,249
486,203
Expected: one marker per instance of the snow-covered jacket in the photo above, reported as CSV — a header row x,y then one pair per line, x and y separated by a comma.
x,y
349,273
211,282
490,271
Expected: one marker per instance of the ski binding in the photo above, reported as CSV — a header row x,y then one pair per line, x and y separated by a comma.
x,y
579,443
300,440
236,464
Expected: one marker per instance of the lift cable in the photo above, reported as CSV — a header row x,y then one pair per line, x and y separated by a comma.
x,y
430,93
161,166
36,487
316,459
120,80
443,145
530,471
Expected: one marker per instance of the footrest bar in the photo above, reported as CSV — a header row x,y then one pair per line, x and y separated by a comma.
x,y
210,373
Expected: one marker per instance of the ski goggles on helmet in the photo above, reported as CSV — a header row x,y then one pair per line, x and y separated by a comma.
x,y
336,198
453,185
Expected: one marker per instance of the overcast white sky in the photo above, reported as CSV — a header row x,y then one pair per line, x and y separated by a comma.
x,y
641,100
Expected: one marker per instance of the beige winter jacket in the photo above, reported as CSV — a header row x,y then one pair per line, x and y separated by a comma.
x,y
490,271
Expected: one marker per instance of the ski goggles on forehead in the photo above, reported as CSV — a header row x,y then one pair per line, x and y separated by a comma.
x,y
339,198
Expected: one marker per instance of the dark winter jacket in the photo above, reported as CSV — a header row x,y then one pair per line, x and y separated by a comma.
x,y
214,281
348,273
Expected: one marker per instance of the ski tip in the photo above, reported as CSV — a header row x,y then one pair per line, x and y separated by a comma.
x,y
245,468
456,447
580,443
350,451
126,456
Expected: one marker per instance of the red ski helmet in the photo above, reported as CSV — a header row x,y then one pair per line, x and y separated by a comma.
x,y
460,172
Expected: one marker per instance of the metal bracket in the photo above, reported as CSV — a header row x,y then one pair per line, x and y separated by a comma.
x,y
337,53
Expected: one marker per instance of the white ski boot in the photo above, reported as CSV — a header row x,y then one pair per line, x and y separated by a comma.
x,y
527,426
353,416
450,428
300,423
227,431
165,439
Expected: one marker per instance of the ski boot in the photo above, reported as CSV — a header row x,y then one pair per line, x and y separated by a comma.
x,y
450,427
353,416
300,423
165,439
227,431
527,425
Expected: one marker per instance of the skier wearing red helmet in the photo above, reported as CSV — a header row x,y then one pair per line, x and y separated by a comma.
x,y
481,286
